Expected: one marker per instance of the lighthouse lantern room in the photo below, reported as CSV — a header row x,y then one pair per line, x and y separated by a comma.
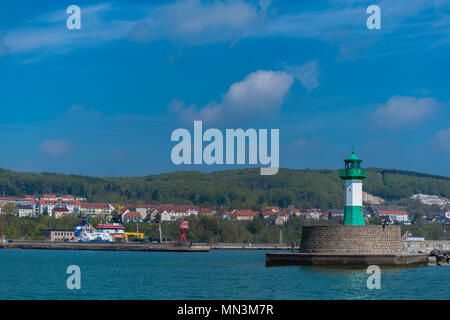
x,y
353,175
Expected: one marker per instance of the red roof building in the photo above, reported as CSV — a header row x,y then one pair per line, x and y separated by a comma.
x,y
60,212
394,215
132,216
243,215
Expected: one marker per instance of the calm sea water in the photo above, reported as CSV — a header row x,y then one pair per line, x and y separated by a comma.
x,y
219,274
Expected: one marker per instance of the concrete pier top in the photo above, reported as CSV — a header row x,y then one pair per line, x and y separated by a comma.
x,y
346,260
103,246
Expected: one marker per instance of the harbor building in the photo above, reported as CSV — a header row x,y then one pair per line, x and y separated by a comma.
x,y
24,211
58,235
396,214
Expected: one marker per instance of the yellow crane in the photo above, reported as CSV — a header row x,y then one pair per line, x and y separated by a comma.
x,y
138,235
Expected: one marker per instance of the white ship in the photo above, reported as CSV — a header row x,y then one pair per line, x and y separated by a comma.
x,y
114,230
84,232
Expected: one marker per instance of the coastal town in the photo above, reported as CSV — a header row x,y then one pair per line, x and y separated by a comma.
x,y
32,206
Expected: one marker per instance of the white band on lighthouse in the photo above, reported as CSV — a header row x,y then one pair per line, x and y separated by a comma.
x,y
353,193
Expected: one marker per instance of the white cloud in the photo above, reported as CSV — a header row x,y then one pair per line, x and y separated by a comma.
x,y
400,110
55,147
259,94
194,21
308,74
442,139
189,22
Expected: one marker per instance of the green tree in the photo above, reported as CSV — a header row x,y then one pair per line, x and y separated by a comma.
x,y
13,232
9,208
256,225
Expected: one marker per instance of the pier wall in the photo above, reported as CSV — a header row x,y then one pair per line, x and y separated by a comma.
x,y
346,260
102,246
351,240
426,246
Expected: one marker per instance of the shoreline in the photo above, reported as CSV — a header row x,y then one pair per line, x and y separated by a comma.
x,y
408,247
168,247
96,246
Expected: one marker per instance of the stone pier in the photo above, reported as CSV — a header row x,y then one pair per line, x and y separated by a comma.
x,y
370,239
349,246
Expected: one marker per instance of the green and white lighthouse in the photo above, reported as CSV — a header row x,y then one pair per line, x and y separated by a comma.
x,y
353,175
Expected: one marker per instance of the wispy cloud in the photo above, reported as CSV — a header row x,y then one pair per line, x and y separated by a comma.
x,y
3,48
442,139
55,148
308,74
196,22
188,22
304,146
400,110
48,33
199,22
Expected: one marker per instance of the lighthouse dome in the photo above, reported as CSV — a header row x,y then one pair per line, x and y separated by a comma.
x,y
353,157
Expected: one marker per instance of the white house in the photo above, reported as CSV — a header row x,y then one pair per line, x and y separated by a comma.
x,y
24,210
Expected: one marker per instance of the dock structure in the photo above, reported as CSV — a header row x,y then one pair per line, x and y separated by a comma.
x,y
103,246
350,246
250,246
346,260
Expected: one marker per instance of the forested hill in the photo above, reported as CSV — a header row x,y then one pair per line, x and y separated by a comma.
x,y
244,188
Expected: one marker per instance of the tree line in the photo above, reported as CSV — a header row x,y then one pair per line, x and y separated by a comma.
x,y
243,188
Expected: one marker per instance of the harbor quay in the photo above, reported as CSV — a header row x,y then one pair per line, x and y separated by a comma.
x,y
102,246
135,246
347,260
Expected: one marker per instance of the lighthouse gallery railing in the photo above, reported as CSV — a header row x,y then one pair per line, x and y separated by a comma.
x,y
353,172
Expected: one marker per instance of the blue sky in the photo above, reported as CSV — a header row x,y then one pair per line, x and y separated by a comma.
x,y
105,99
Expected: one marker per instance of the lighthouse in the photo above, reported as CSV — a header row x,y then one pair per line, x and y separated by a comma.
x,y
353,175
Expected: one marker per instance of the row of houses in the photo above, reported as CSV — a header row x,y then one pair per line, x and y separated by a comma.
x,y
441,216
51,205
133,213
394,214
59,206
167,212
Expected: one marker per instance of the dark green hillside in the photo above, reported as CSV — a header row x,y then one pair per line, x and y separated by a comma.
x,y
233,188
